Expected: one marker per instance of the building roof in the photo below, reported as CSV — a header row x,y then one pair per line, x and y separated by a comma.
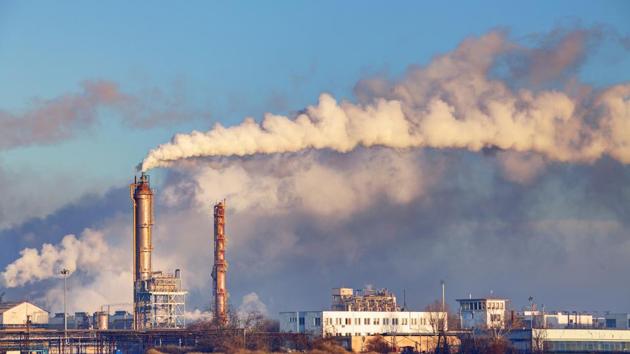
x,y
6,306
483,299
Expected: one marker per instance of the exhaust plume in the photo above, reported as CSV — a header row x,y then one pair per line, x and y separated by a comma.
x,y
85,253
456,101
48,121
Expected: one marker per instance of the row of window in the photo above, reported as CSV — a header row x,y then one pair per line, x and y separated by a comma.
x,y
294,319
587,346
373,321
482,305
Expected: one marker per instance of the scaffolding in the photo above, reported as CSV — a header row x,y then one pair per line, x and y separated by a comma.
x,y
347,299
160,302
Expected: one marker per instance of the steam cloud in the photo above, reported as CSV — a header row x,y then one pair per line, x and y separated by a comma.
x,y
86,253
456,101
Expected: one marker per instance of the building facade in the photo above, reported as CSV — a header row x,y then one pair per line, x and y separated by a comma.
x,y
482,313
573,340
17,314
361,323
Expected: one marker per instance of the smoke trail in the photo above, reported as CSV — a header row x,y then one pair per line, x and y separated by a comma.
x,y
86,253
453,102
53,120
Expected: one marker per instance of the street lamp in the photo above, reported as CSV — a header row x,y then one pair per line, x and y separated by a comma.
x,y
65,273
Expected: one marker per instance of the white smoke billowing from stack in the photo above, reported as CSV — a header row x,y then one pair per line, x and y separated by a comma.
x,y
453,102
87,252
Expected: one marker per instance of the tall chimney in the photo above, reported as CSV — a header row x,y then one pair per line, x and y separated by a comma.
x,y
142,198
219,270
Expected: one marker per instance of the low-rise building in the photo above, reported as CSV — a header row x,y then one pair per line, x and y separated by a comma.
x,y
361,323
617,320
572,340
557,319
18,314
482,313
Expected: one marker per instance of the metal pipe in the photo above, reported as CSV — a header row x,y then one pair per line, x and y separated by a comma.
x,y
65,273
220,266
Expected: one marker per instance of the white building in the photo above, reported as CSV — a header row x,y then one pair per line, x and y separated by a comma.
x,y
482,313
617,320
539,319
360,323
16,314
573,340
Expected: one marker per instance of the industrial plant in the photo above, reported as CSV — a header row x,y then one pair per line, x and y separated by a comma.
x,y
355,320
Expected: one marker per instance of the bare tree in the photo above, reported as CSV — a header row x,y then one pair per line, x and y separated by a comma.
x,y
378,344
438,320
539,335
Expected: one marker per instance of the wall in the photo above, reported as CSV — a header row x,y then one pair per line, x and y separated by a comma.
x,y
420,344
358,323
18,315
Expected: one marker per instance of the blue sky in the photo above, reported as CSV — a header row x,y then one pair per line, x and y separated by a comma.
x,y
235,59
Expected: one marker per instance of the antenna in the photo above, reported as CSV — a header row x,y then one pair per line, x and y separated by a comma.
x,y
404,299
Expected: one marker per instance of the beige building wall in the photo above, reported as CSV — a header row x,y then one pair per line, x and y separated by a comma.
x,y
18,315
420,343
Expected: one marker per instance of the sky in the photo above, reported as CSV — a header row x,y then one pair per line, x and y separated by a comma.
x,y
89,89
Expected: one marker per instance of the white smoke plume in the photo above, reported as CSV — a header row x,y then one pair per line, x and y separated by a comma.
x,y
453,102
86,253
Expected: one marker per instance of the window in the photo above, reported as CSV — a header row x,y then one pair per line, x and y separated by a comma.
x,y
302,321
395,321
386,321
317,322
328,321
338,321
404,321
348,321
611,323
357,321
414,321
366,321
377,321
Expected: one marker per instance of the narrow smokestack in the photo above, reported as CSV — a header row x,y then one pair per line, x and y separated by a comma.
x,y
219,270
142,198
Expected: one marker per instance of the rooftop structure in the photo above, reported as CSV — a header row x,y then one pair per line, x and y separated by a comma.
x,y
482,313
347,299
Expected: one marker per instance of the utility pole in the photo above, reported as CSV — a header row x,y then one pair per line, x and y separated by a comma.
x,y
443,293
65,273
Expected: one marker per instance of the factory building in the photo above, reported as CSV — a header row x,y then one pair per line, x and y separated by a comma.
x,y
158,298
557,319
358,323
573,340
361,313
482,313
18,314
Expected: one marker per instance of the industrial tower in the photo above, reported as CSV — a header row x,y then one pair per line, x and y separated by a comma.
x,y
219,290
158,298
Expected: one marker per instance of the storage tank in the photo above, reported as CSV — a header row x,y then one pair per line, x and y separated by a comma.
x,y
101,320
